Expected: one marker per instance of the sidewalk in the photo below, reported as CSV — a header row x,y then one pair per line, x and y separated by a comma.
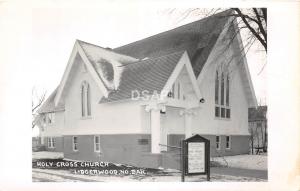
x,y
261,174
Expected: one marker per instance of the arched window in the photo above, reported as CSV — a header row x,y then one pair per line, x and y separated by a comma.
x,y
227,90
88,100
217,88
222,88
85,100
222,91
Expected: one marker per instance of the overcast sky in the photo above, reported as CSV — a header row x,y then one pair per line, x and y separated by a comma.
x,y
56,29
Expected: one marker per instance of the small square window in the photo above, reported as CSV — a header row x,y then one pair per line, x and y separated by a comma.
x,y
51,142
218,142
228,142
75,143
97,143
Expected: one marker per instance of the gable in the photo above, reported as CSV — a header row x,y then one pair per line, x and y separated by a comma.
x,y
228,52
73,91
155,75
102,65
183,73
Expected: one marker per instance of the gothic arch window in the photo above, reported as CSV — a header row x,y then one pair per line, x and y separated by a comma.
x,y
85,99
222,94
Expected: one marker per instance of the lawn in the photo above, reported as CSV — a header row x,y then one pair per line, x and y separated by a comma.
x,y
255,162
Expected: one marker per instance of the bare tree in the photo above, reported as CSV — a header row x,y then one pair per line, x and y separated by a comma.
x,y
37,100
266,136
254,20
251,24
251,139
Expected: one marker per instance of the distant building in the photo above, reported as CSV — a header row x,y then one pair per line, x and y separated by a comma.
x,y
258,127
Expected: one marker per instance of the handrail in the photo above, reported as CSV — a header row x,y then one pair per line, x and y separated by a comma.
x,y
170,146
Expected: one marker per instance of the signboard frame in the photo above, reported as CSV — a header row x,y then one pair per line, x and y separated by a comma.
x,y
185,160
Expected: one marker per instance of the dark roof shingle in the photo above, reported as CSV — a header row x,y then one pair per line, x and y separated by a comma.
x,y
163,50
149,74
197,38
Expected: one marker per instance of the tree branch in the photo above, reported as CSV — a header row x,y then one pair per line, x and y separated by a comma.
x,y
40,101
261,28
264,11
246,16
251,28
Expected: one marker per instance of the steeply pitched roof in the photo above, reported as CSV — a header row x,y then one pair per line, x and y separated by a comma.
x,y
197,38
149,74
163,52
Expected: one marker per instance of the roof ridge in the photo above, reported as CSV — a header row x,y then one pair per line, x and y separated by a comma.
x,y
91,44
173,29
110,50
152,58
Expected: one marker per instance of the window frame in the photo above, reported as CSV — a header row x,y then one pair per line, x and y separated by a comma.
x,y
178,91
88,101
222,95
83,108
217,87
85,99
228,141
75,144
95,144
218,142
51,142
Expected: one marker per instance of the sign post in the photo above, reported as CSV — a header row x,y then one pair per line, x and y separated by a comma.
x,y
182,165
195,155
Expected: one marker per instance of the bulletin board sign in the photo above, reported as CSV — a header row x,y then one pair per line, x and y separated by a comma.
x,y
196,156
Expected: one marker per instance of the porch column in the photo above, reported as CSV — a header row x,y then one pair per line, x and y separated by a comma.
x,y
154,110
188,116
187,125
155,130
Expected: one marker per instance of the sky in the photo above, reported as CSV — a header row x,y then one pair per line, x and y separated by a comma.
x,y
56,29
